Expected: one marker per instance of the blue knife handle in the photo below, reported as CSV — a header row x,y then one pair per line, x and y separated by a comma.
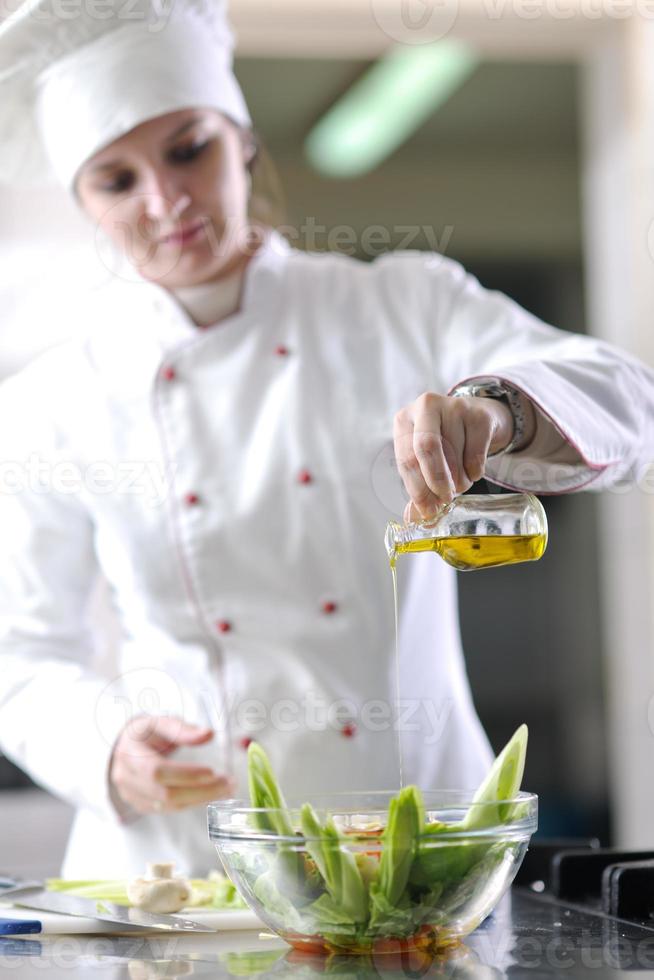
x,y
16,927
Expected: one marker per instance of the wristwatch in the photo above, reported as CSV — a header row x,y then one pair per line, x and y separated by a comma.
x,y
512,398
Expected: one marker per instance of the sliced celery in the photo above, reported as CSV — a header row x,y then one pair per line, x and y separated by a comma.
x,y
400,838
336,864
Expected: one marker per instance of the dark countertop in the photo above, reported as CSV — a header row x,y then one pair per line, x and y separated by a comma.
x,y
528,936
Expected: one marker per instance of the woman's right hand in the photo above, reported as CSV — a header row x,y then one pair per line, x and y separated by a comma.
x,y
142,775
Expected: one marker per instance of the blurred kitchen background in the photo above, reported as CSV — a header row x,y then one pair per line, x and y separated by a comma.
x,y
533,165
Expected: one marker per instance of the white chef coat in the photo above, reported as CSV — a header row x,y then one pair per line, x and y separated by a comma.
x,y
253,590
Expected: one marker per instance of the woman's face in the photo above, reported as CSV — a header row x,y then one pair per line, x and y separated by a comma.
x,y
172,194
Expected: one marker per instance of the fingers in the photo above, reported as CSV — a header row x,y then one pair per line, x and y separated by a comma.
x,y
418,452
162,799
164,733
181,797
441,447
169,732
172,797
144,776
426,451
182,774
475,453
156,783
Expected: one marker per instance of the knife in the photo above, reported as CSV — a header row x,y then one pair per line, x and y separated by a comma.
x,y
32,895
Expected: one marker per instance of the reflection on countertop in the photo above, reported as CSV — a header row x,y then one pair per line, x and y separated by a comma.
x,y
527,936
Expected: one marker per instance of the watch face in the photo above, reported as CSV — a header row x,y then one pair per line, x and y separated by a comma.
x,y
490,390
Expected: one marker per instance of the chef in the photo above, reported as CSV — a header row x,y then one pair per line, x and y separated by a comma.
x,y
216,443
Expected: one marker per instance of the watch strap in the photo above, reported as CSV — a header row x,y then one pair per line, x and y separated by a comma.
x,y
501,390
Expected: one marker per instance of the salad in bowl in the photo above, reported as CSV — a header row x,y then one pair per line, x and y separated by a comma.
x,y
376,872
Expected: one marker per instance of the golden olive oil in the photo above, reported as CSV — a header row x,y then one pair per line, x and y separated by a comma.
x,y
479,551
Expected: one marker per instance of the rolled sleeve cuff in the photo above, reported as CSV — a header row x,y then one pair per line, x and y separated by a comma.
x,y
555,461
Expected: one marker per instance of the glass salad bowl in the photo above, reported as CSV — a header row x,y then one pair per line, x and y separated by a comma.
x,y
374,872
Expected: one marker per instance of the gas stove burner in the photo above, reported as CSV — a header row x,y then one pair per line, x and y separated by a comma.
x,y
536,868
615,882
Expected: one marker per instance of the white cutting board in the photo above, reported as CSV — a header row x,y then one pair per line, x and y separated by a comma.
x,y
56,923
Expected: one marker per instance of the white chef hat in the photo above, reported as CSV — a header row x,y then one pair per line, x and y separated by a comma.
x,y
77,74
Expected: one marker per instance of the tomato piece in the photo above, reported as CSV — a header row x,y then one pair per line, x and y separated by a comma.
x,y
305,944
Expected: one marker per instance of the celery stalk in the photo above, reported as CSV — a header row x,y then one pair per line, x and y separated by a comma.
x,y
336,864
451,862
502,783
290,870
405,822
265,793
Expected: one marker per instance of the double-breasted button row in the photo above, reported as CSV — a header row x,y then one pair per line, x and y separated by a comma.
x,y
168,372
226,625
192,498
347,731
304,477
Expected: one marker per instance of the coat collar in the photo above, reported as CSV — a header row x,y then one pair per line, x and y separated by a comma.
x,y
130,326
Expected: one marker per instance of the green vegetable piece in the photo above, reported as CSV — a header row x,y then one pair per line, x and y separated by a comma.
x,y
451,862
502,783
336,864
217,891
330,916
405,822
275,901
312,830
265,793
254,964
389,918
107,891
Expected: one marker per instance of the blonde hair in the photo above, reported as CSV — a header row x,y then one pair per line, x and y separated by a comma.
x,y
267,199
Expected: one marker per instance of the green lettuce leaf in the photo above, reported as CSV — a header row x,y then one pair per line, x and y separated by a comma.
x,y
266,794
330,917
274,901
502,783
388,918
400,838
336,864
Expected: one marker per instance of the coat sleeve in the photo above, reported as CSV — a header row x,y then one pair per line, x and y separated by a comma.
x,y
594,403
54,721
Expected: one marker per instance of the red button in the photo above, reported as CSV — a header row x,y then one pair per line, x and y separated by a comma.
x,y
192,499
329,607
245,742
281,351
224,625
169,374
348,730
304,476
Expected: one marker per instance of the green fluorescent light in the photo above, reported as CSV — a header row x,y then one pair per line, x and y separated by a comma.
x,y
386,105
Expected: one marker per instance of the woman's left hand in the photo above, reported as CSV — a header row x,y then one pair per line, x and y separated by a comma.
x,y
441,447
